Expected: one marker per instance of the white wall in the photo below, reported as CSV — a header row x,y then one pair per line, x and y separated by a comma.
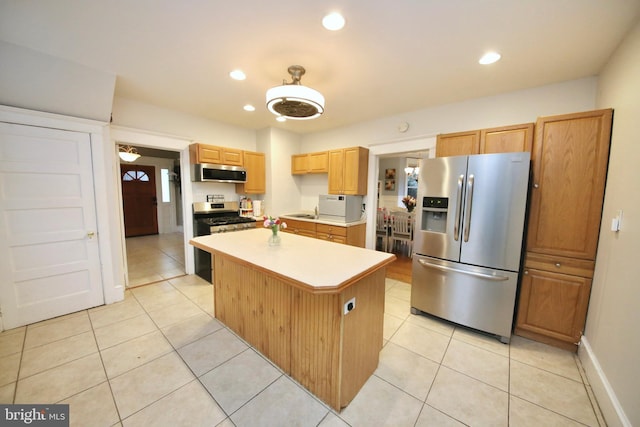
x,y
35,81
612,351
283,195
510,108
137,115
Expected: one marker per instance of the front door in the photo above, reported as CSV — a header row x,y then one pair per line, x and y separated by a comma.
x,y
140,204
49,255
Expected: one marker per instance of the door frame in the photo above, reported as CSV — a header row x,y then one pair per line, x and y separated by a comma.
x,y
407,145
105,196
128,136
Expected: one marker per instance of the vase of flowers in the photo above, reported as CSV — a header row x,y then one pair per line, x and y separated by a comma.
x,y
409,202
275,224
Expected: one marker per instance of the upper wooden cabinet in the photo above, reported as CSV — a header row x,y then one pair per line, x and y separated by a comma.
x,y
458,144
310,163
204,153
504,139
570,156
348,169
254,163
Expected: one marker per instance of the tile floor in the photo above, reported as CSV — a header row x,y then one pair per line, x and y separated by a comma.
x,y
160,358
154,258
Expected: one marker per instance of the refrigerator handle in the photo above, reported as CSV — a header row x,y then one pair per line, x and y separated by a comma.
x,y
468,204
456,221
470,273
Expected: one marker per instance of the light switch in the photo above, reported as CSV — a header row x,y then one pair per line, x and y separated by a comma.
x,y
616,222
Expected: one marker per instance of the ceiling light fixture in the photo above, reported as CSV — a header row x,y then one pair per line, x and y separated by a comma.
x,y
489,58
128,153
333,21
293,100
410,171
249,107
237,75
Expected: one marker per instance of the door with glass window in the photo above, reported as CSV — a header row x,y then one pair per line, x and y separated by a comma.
x,y
140,203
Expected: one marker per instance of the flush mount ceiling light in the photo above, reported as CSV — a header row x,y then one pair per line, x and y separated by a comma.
x,y
489,58
293,100
128,153
333,21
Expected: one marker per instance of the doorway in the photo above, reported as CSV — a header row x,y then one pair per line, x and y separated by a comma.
x,y
152,215
392,181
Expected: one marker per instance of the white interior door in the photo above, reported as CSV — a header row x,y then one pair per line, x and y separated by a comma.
x,y
49,255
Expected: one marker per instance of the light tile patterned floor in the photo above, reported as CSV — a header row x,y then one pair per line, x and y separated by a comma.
x,y
154,258
159,358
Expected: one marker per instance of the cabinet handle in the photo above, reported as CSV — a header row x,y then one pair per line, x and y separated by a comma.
x,y
536,185
558,264
526,272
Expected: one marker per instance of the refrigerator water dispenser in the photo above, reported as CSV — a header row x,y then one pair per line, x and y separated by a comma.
x,y
434,214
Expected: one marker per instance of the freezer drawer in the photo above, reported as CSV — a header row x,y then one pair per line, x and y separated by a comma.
x,y
477,297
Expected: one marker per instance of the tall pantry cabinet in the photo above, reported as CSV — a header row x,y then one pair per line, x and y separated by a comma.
x,y
569,161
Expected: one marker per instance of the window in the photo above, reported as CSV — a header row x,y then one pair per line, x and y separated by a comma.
x,y
412,171
135,176
164,180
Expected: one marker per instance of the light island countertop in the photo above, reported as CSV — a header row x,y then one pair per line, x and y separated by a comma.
x,y
316,265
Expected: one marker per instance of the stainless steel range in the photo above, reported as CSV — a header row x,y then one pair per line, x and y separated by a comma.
x,y
215,217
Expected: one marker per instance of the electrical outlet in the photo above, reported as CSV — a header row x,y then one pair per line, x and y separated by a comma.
x,y
349,305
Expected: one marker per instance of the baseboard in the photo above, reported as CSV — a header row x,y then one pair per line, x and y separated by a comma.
x,y
606,397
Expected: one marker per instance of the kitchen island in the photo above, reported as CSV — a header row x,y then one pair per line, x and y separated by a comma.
x,y
314,308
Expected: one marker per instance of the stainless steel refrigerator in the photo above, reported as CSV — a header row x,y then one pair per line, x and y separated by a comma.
x,y
468,239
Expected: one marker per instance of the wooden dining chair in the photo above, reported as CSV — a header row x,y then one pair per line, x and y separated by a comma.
x,y
401,230
382,228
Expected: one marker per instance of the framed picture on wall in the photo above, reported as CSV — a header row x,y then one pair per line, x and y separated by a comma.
x,y
390,184
389,174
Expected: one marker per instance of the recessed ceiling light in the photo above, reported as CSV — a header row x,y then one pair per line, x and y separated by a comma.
x,y
489,58
249,107
333,21
281,119
237,75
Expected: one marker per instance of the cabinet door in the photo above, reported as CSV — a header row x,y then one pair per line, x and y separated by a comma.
x,y
570,155
506,139
336,171
553,305
319,162
254,163
458,144
209,154
356,162
299,164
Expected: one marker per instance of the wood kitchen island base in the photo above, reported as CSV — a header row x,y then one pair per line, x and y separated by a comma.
x,y
301,328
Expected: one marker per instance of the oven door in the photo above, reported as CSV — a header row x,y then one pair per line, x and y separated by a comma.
x,y
202,259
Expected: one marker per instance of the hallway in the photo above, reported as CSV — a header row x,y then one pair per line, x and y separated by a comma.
x,y
154,258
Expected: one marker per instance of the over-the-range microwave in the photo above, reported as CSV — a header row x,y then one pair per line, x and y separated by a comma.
x,y
203,172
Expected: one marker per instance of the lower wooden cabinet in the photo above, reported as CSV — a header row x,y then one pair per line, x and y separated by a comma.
x,y
553,307
303,228
353,235
331,233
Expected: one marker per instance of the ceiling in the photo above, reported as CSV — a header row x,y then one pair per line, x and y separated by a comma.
x,y
391,57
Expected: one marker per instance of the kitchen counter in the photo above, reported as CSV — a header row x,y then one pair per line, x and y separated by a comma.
x,y
314,308
292,216
312,264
